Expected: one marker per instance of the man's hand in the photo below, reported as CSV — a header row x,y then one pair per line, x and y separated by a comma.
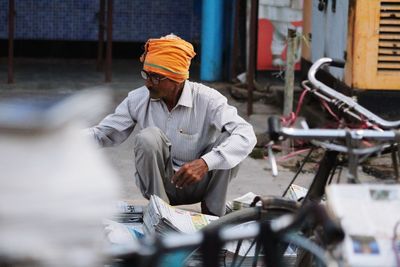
x,y
190,173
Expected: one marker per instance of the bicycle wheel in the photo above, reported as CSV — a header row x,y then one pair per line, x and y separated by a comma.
x,y
272,207
305,258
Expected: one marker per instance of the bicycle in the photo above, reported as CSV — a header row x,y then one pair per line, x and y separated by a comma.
x,y
352,138
271,238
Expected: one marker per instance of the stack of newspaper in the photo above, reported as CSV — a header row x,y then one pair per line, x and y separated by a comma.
x,y
296,192
128,213
160,217
126,226
369,215
244,201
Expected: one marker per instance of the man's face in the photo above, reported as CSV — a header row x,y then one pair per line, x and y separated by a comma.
x,y
158,85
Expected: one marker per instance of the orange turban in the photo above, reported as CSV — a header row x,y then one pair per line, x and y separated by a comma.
x,y
169,56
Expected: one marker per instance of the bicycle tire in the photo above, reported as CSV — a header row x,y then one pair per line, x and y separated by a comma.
x,y
272,207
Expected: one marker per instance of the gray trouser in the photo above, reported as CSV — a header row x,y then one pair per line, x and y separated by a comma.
x,y
154,172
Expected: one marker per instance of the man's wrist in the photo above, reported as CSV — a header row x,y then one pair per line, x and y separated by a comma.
x,y
205,164
212,160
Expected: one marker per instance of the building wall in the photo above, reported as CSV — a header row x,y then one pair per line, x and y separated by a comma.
x,y
329,33
133,20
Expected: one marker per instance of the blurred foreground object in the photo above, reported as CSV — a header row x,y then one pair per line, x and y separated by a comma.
x,y
55,186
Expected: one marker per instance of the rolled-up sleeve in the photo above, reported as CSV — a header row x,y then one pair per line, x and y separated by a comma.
x,y
238,145
115,128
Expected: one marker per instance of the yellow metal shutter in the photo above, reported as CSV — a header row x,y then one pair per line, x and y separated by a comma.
x,y
374,45
389,37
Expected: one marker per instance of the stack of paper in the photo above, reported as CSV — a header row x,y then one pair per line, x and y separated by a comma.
x,y
244,201
125,228
368,214
128,208
296,193
160,217
128,213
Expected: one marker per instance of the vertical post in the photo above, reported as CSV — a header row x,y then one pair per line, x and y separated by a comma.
x,y
212,40
235,43
398,157
289,73
289,81
252,55
109,40
11,25
352,143
395,148
100,45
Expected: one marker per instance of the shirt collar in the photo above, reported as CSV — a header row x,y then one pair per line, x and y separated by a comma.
x,y
186,98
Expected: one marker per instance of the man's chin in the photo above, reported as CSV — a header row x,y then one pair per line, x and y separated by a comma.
x,y
154,97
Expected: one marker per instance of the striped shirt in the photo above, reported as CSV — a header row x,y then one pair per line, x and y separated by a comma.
x,y
193,124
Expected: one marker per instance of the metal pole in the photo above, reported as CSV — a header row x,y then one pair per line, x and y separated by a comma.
x,y
212,40
252,55
109,40
100,46
11,25
235,45
352,143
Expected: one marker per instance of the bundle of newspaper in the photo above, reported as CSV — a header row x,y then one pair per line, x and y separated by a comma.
x,y
296,192
160,217
369,215
128,212
244,201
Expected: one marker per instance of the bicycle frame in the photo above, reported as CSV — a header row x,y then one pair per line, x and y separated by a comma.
x,y
317,187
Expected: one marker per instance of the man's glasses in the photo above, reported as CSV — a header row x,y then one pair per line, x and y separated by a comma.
x,y
155,79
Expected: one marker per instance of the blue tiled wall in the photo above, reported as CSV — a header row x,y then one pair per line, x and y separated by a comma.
x,y
133,20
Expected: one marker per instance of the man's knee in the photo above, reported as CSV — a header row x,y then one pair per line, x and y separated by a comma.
x,y
148,139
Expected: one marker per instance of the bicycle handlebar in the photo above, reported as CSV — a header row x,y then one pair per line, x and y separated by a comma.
x,y
338,63
351,104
